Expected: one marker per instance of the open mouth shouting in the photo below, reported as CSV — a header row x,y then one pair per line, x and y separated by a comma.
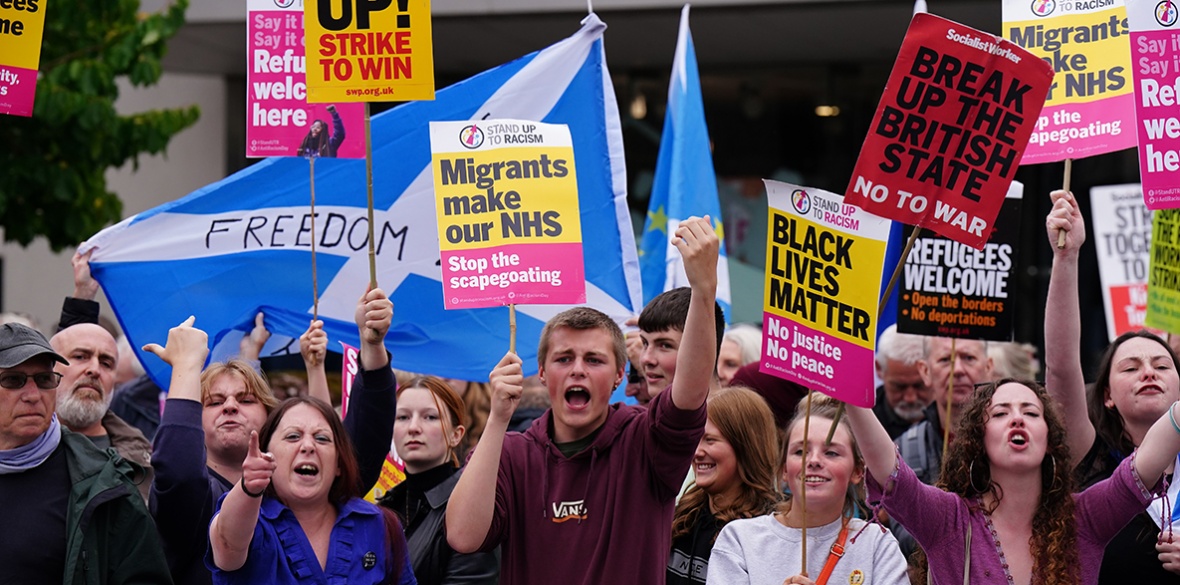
x,y
309,470
577,397
1018,439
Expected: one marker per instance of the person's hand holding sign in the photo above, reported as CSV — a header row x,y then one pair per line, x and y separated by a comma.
x,y
1065,218
507,384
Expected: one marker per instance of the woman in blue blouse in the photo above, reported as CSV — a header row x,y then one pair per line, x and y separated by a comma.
x,y
296,516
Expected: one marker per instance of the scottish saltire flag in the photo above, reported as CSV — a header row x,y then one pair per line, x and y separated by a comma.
x,y
684,184
243,244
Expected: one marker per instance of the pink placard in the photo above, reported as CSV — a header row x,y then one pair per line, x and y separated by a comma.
x,y
513,274
350,365
18,87
1158,111
279,121
822,362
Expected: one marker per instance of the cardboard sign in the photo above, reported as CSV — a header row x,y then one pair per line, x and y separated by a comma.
x,y
279,121
1090,107
368,50
950,290
1163,283
1122,238
1155,48
823,276
948,134
509,231
21,25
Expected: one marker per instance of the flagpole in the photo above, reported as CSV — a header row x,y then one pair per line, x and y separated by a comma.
x,y
512,328
369,182
905,253
1064,187
315,287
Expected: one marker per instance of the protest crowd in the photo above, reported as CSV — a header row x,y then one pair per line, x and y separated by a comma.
x,y
664,446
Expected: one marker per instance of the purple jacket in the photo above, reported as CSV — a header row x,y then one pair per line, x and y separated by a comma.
x,y
938,520
603,515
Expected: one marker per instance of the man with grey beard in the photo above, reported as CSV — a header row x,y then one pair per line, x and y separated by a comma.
x,y
84,396
903,396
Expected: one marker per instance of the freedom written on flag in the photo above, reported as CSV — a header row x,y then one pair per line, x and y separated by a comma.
x,y
684,185
242,245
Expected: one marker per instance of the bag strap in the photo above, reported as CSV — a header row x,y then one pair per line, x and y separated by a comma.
x,y
966,563
834,556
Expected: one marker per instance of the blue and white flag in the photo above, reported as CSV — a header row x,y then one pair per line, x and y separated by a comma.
x,y
684,185
243,244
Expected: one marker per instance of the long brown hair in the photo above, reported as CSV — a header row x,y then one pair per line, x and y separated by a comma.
x,y
447,401
745,420
1054,529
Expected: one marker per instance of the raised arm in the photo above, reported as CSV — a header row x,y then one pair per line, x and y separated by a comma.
x,y
1159,447
697,359
875,445
1063,329
372,402
232,528
186,350
250,348
473,503
313,346
81,307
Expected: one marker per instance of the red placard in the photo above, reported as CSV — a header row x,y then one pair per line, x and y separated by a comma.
x,y
948,135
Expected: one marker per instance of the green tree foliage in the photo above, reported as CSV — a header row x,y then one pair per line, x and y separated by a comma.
x,y
52,165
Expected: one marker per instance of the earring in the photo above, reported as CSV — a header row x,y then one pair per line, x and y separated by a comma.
x,y
1055,482
971,476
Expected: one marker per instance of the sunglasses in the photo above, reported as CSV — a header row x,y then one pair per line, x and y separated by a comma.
x,y
17,380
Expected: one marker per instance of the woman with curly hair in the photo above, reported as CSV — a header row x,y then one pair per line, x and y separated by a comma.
x,y
765,549
1137,381
1007,482
735,466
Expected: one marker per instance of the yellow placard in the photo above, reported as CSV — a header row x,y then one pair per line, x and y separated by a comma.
x,y
1089,51
21,26
368,50
1163,282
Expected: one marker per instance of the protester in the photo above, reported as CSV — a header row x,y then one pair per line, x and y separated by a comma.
x,y
71,511
609,474
318,142
735,466
636,382
902,397
427,432
205,431
661,330
740,346
1008,483
1136,384
297,508
952,379
84,398
765,549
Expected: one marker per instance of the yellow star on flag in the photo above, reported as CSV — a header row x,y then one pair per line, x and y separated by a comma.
x,y
658,219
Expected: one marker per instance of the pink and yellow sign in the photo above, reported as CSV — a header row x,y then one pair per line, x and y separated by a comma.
x,y
509,230
368,50
21,25
1155,48
823,277
279,121
1090,108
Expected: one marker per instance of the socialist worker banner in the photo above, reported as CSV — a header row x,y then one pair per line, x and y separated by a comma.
x,y
368,50
279,121
1090,107
21,25
509,230
1155,46
823,275
1122,240
953,120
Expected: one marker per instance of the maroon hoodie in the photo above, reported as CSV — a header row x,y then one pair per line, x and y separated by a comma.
x,y
603,515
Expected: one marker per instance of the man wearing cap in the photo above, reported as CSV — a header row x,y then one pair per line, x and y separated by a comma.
x,y
71,513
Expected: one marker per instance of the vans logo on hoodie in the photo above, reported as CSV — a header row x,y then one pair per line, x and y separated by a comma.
x,y
563,511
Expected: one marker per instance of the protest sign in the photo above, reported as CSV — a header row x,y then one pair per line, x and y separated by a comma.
x,y
945,142
507,202
1155,46
1163,283
280,122
823,276
1090,107
950,290
393,472
1122,236
369,50
21,25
